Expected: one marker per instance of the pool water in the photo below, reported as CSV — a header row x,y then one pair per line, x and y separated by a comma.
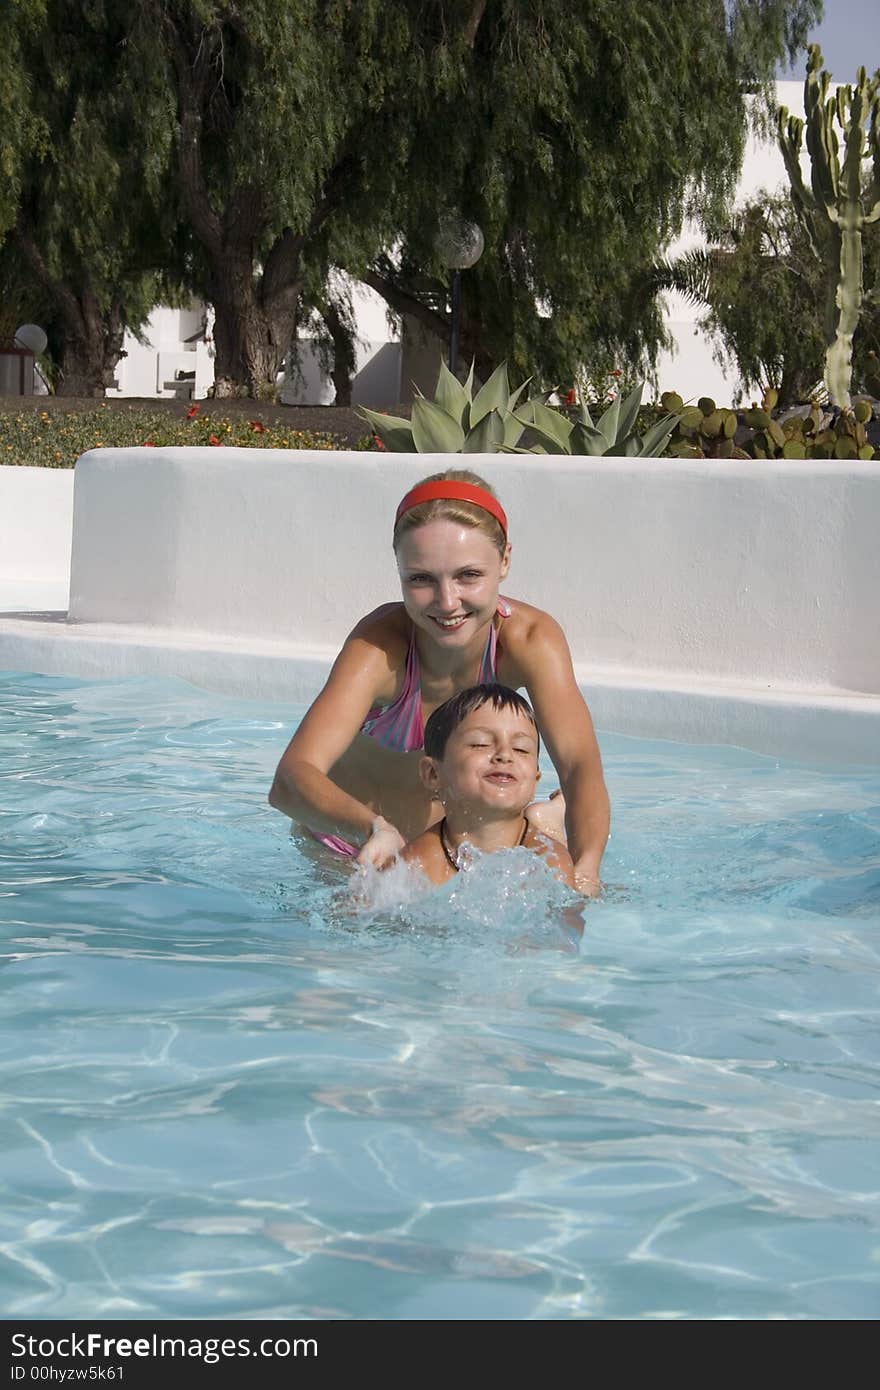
x,y
234,1089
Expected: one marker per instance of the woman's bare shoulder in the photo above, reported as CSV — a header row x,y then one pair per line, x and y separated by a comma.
x,y
387,628
525,635
388,619
525,621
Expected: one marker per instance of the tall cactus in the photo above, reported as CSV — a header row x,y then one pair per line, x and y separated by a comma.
x,y
836,208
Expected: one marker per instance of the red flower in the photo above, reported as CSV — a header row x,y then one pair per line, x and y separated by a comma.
x,y
616,372
258,427
213,439
570,397
148,444
376,440
193,411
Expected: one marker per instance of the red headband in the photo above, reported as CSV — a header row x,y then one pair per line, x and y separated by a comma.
x,y
454,492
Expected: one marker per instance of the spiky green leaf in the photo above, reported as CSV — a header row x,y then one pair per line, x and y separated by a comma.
x,y
395,433
486,437
587,441
495,395
629,409
450,395
435,432
657,435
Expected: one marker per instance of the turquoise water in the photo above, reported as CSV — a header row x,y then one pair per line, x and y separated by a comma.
x,y
231,1090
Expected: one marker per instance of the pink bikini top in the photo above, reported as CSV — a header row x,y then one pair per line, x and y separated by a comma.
x,y
399,726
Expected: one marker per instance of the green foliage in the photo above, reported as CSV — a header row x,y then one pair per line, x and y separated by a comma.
x,y
762,289
705,431
92,240
578,138
702,430
613,434
55,439
22,130
492,421
295,136
839,203
456,421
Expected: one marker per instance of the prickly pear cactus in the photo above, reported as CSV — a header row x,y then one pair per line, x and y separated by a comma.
x,y
836,206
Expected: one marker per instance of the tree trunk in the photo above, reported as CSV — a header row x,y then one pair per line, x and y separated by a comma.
x,y
251,338
92,337
91,348
343,353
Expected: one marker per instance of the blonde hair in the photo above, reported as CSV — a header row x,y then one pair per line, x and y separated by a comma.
x,y
450,509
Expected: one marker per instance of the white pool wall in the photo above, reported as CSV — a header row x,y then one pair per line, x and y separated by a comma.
x,y
36,524
719,601
732,570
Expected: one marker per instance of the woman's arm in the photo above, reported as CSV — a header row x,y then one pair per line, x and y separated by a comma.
x,y
544,661
361,676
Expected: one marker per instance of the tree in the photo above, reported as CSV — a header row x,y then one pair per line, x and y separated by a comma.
x,y
313,135
277,104
90,233
21,130
295,136
762,287
578,138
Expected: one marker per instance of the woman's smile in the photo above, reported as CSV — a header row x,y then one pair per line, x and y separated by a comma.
x,y
449,624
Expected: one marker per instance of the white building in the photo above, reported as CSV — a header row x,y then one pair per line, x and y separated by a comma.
x,y
176,358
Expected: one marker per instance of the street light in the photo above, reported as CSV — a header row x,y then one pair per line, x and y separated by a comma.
x,y
460,244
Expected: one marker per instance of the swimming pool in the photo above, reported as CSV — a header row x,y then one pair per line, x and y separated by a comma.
x,y
230,1092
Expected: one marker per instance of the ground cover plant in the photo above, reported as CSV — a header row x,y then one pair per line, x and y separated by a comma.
x,y
56,438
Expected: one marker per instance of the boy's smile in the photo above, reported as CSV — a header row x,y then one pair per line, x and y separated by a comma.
x,y
490,764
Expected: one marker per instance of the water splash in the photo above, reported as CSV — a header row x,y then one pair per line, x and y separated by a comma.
x,y
509,897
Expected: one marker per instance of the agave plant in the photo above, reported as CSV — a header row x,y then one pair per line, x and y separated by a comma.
x,y
613,434
455,421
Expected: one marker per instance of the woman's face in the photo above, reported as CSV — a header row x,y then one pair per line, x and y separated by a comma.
x,y
449,576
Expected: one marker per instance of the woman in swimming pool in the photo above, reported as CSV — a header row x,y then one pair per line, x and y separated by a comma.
x,y
350,774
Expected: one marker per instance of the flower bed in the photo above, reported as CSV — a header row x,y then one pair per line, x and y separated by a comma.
x,y
54,438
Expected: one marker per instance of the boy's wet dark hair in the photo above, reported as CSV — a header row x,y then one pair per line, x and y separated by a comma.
x,y
447,717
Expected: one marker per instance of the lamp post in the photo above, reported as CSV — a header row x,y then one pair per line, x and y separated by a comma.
x,y
29,341
460,244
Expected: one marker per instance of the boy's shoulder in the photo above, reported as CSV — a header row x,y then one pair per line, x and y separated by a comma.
x,y
426,852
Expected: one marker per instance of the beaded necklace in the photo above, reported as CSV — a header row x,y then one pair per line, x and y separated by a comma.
x,y
453,862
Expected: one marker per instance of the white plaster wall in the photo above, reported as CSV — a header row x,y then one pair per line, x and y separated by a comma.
x,y
36,519
376,380
761,573
36,515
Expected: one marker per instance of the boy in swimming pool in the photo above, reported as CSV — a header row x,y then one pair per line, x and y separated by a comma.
x,y
481,764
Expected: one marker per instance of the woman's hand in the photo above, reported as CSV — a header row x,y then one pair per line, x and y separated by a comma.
x,y
384,844
587,882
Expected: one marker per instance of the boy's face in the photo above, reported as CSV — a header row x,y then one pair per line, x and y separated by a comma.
x,y
490,765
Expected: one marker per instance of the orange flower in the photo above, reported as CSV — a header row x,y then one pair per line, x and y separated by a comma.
x,y
193,411
258,427
148,444
212,439
616,372
570,397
